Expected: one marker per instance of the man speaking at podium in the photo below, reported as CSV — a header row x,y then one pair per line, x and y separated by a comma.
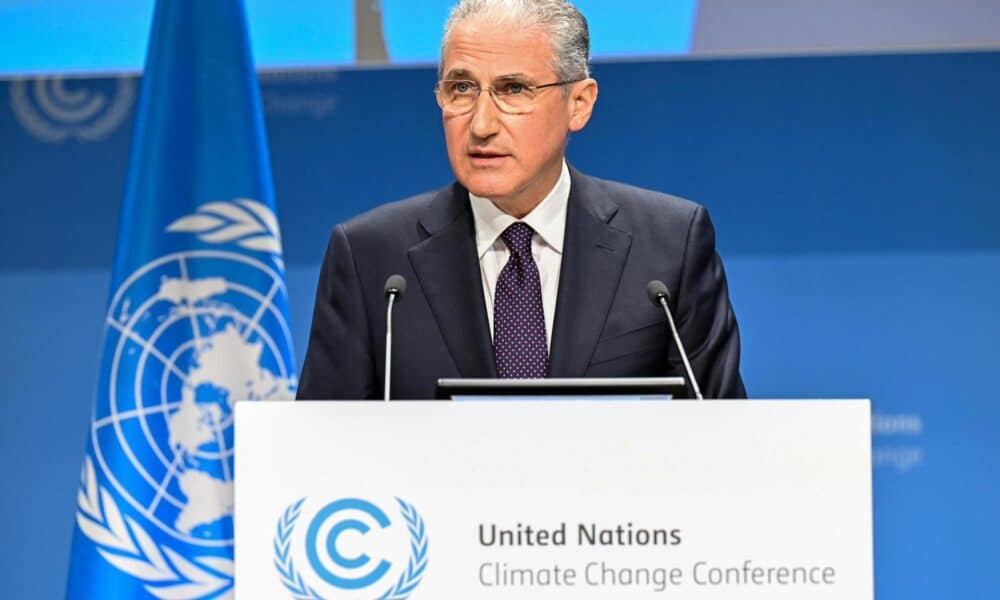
x,y
524,267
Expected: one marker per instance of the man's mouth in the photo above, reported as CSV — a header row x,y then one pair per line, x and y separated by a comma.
x,y
486,158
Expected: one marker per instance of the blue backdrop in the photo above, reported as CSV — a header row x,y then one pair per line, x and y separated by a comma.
x,y
856,203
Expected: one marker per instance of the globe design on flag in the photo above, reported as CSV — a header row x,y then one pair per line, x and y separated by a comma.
x,y
189,335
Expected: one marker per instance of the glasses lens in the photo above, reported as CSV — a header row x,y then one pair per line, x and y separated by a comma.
x,y
457,95
514,96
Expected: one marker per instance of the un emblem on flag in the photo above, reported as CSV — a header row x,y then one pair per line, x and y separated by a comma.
x,y
188,335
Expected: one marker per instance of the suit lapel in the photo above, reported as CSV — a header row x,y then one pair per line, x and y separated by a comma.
x,y
447,268
594,255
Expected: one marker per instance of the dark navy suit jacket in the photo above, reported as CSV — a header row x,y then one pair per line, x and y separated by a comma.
x,y
618,238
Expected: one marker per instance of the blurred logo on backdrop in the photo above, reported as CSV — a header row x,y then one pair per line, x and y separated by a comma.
x,y
299,93
351,548
56,109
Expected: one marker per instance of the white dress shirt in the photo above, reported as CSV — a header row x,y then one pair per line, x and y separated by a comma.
x,y
548,219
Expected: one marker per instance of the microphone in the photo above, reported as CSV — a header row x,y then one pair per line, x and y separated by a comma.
x,y
395,288
659,295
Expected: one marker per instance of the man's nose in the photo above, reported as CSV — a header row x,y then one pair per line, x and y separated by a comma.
x,y
485,116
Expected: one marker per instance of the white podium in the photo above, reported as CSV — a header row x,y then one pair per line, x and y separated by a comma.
x,y
554,499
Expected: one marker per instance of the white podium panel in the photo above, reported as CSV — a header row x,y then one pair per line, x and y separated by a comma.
x,y
554,499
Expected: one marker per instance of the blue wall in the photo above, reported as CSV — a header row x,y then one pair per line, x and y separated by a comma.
x,y
857,203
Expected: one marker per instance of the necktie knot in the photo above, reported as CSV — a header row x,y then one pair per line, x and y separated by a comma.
x,y
518,238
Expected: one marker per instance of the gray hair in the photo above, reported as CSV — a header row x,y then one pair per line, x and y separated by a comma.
x,y
566,26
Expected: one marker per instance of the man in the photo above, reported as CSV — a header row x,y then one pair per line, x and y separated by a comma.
x,y
524,267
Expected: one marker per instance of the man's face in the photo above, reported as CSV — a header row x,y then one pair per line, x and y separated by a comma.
x,y
512,159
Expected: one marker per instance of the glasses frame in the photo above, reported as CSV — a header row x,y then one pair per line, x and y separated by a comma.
x,y
495,94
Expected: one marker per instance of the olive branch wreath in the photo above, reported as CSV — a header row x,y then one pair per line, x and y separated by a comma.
x,y
300,590
248,223
127,546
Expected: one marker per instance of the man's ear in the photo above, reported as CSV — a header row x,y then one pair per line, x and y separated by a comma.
x,y
582,100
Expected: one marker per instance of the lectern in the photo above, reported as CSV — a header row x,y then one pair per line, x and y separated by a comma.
x,y
554,499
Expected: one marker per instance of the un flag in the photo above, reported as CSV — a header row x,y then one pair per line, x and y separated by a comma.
x,y
197,319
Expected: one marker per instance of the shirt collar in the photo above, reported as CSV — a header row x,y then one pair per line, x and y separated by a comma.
x,y
548,219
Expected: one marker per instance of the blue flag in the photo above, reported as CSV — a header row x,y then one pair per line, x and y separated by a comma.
x,y
197,319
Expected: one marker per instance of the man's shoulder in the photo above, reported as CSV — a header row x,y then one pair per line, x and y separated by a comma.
x,y
398,212
640,204
405,221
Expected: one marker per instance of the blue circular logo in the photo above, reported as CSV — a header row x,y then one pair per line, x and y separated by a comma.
x,y
330,511
337,544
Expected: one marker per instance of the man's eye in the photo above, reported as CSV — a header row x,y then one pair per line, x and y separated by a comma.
x,y
462,87
512,88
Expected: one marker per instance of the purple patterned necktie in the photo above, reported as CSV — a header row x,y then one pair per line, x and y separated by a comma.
x,y
518,319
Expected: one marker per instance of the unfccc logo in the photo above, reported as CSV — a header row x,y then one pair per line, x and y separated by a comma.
x,y
338,545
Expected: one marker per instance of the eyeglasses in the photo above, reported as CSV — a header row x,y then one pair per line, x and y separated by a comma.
x,y
460,96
